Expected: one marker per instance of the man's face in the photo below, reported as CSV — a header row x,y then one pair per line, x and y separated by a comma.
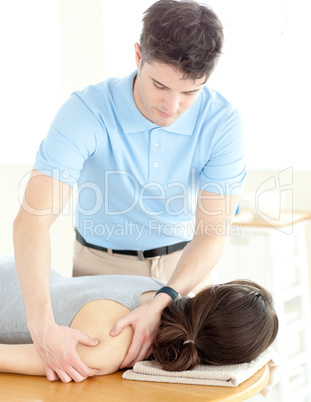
x,y
161,94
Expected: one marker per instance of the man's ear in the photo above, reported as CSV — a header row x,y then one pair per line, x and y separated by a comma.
x,y
137,55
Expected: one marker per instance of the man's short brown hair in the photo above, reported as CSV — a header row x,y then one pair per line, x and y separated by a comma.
x,y
184,34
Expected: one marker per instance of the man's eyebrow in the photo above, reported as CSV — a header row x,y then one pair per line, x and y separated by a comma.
x,y
164,86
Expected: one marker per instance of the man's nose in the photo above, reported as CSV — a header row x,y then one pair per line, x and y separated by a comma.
x,y
171,103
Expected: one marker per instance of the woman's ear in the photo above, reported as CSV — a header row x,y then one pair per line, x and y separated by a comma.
x,y
137,55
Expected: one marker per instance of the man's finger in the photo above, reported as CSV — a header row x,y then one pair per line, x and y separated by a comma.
x,y
78,368
130,356
87,340
120,325
84,370
136,351
149,353
50,374
74,375
64,377
135,357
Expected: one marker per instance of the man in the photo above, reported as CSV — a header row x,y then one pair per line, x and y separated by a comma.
x,y
158,160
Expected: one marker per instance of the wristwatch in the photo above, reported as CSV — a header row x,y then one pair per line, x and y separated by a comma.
x,y
169,291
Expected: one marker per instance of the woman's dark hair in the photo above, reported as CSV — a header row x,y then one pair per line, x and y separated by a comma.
x,y
228,324
184,34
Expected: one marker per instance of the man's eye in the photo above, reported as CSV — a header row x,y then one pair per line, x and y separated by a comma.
x,y
160,88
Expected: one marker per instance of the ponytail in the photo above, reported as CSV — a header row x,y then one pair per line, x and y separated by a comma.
x,y
171,348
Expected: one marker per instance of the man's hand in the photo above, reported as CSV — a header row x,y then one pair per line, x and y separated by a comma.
x,y
145,321
56,346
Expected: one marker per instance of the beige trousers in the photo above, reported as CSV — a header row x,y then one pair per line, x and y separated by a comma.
x,y
88,261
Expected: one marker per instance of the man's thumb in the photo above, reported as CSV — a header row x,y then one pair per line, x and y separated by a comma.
x,y
116,330
88,341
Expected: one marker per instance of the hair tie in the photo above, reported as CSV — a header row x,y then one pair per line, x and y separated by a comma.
x,y
188,341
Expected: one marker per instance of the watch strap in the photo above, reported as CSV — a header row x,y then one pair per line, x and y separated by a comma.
x,y
169,291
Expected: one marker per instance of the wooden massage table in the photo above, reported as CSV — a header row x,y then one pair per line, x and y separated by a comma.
x,y
114,388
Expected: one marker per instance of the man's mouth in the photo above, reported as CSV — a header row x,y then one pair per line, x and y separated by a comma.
x,y
164,114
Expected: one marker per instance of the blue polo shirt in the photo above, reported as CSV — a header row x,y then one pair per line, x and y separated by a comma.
x,y
136,182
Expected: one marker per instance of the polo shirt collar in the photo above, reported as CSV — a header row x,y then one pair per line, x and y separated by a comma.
x,y
132,121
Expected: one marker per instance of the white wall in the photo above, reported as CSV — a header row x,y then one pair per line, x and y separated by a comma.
x,y
52,48
82,44
265,71
29,76
13,180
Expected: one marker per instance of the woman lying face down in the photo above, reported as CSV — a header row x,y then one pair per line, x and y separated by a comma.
x,y
223,324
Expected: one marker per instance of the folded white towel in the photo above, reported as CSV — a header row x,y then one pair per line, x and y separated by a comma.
x,y
224,376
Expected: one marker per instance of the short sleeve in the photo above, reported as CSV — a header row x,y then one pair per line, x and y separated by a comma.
x,y
225,171
74,135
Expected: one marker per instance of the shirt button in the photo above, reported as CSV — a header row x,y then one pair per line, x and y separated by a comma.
x,y
157,146
156,164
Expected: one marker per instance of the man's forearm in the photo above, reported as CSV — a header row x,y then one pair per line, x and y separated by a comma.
x,y
32,257
197,260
